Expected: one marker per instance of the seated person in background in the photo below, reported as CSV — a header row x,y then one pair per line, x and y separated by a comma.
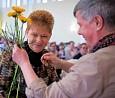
x,y
82,51
70,50
61,52
2,44
53,48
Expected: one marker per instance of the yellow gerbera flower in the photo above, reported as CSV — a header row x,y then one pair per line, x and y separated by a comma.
x,y
28,20
22,18
18,9
12,14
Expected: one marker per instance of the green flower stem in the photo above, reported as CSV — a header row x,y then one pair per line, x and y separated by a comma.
x,y
16,29
18,87
16,70
21,35
16,26
6,37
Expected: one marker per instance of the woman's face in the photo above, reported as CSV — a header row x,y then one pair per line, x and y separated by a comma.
x,y
38,37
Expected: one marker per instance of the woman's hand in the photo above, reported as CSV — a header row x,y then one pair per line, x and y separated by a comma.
x,y
51,59
20,56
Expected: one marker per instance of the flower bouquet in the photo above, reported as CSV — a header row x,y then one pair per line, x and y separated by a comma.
x,y
10,70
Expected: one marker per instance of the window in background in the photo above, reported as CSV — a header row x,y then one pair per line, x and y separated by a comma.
x,y
59,0
13,2
39,1
56,0
44,1
25,2
18,2
8,3
53,0
30,3
4,3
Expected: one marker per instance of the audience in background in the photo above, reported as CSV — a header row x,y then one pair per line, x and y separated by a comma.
x,y
53,48
83,50
2,44
61,52
70,50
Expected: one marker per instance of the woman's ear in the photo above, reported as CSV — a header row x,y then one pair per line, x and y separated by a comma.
x,y
98,22
26,33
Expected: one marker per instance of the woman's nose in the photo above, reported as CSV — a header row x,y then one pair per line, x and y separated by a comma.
x,y
39,38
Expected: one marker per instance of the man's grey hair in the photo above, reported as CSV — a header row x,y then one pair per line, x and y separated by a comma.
x,y
104,8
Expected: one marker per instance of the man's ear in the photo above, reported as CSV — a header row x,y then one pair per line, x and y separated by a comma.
x,y
98,22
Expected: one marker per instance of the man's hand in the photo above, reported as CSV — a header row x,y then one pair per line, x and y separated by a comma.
x,y
51,59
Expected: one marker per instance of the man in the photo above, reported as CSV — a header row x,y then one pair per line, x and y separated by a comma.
x,y
82,51
93,75
70,50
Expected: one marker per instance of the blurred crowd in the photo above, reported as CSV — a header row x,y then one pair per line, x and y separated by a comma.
x,y
68,50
